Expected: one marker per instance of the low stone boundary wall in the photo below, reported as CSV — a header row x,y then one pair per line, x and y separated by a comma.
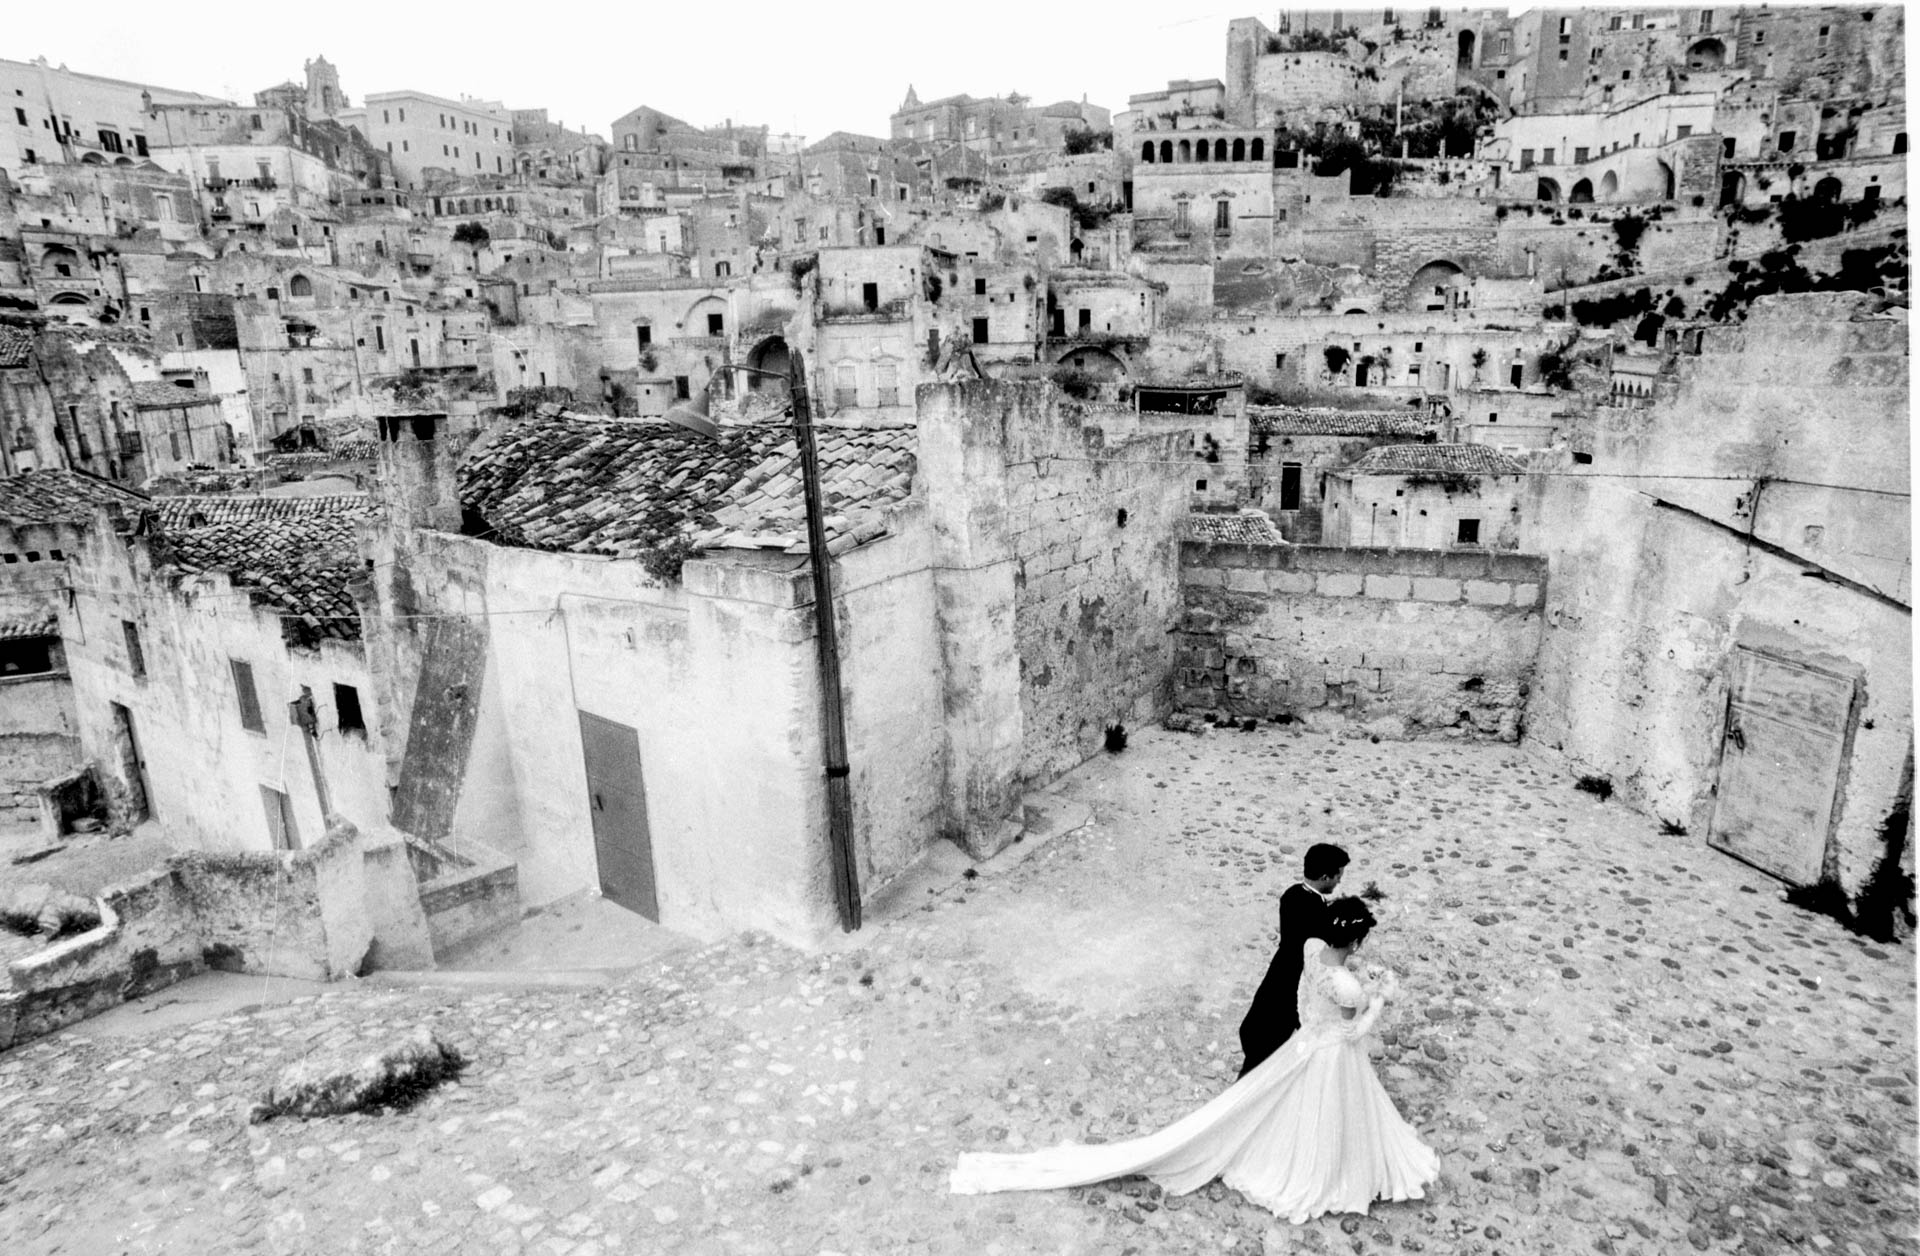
x,y
316,914
479,896
1399,642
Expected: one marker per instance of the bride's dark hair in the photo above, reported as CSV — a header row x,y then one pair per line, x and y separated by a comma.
x,y
1348,921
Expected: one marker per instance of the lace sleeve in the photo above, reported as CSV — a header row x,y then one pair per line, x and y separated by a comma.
x,y
1345,989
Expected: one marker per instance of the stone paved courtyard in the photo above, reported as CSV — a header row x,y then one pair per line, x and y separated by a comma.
x,y
1620,1041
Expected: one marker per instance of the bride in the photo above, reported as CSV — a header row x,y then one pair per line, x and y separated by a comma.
x,y
1309,1131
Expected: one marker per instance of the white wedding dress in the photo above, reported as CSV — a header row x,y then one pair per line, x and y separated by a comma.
x,y
1309,1131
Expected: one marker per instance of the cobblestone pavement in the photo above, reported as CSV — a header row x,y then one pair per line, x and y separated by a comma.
x,y
1620,1041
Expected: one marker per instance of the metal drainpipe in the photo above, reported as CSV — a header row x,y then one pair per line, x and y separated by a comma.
x,y
833,724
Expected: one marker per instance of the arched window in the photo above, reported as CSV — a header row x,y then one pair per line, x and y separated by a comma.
x,y
1146,151
1240,150
299,286
1186,151
1219,150
1166,150
1258,152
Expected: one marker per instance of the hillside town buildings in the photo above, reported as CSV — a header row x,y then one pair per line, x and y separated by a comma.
x,y
1417,372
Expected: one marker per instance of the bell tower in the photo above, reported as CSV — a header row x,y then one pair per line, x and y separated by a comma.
x,y
324,97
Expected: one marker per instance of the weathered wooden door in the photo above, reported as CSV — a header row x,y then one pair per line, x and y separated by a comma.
x,y
1789,731
617,800
133,765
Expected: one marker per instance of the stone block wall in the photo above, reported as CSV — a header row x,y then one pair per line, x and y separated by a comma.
x,y
1095,589
1400,642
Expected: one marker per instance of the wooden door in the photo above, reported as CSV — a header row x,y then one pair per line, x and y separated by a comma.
x,y
617,800
1789,732
133,765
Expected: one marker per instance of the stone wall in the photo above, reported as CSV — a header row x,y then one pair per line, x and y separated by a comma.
x,y
1095,584
1766,510
1398,642
1054,615
304,914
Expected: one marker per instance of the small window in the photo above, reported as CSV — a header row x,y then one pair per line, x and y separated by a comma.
x,y
1290,486
346,703
980,334
249,700
1469,532
1786,141
682,388
279,809
1682,132
979,287
136,657
716,324
870,295
645,334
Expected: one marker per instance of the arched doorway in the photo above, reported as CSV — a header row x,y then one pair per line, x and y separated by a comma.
x,y
1466,50
770,354
1432,285
1707,54
1827,190
1582,193
1609,186
1666,181
1548,191
1733,187
299,286
1146,152
1094,362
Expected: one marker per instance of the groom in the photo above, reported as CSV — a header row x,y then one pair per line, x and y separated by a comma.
x,y
1275,1014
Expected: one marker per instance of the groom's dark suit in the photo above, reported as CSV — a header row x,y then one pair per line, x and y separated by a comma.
x,y
1275,1014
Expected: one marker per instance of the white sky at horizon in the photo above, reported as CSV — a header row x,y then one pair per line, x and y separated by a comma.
x,y
811,69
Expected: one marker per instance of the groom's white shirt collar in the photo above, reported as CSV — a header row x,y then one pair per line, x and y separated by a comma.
x,y
1311,886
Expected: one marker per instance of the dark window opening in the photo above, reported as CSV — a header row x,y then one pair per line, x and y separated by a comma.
x,y
29,656
870,295
979,287
645,333
1515,374
716,324
346,701
1469,533
249,699
682,388
136,657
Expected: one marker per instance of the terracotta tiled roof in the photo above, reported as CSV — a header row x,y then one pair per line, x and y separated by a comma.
x,y
602,486
299,555
155,393
192,511
1306,421
1457,459
30,624
56,496
1249,527
15,344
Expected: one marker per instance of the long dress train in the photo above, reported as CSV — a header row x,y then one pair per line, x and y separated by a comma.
x,y
1309,1131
